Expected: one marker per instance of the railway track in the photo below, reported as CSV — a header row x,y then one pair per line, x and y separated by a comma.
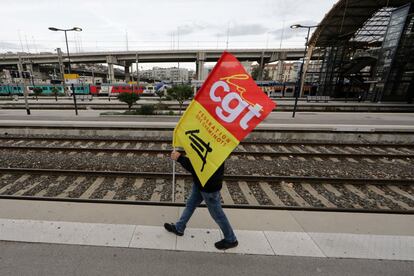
x,y
10,138
239,191
251,148
370,194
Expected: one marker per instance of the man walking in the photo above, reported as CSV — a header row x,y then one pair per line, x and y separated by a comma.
x,y
210,193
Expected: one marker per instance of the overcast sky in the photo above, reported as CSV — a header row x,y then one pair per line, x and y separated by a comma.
x,y
156,24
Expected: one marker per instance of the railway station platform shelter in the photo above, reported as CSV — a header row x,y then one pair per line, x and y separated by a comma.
x,y
363,50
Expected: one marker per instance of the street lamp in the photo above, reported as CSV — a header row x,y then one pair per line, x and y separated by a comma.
x,y
297,93
76,29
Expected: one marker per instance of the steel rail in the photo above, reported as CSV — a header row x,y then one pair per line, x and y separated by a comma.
x,y
249,178
169,140
235,206
236,152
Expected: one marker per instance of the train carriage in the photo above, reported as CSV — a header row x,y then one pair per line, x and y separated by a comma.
x,y
47,89
4,90
115,89
95,90
287,89
11,89
80,89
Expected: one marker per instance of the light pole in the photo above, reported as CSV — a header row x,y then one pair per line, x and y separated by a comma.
x,y
76,29
299,83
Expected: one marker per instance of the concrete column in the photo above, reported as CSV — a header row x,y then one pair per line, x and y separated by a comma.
x,y
200,69
261,68
137,69
111,60
34,70
20,67
29,67
201,57
62,70
61,65
280,66
111,73
127,72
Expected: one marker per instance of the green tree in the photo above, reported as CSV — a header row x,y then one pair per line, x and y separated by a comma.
x,y
256,73
37,91
128,98
55,92
160,94
180,93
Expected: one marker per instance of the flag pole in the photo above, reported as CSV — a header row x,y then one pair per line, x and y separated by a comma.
x,y
173,181
173,178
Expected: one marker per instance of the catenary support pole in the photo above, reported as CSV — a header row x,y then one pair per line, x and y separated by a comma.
x,y
299,82
74,99
137,62
25,92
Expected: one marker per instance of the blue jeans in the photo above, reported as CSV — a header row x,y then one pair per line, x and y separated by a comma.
x,y
213,203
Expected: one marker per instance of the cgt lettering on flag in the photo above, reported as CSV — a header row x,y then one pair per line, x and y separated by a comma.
x,y
229,113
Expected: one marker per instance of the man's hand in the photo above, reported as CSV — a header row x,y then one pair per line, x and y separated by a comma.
x,y
175,154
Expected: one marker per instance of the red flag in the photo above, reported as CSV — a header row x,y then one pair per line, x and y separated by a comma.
x,y
233,98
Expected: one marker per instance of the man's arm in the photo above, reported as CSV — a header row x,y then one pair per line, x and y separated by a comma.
x,y
184,161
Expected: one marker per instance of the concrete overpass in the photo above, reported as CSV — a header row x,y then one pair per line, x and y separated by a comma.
x,y
126,58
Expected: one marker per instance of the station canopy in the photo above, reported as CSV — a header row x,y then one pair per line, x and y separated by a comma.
x,y
348,17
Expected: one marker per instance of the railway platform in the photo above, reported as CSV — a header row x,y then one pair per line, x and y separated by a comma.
x,y
321,120
323,241
52,117
84,102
